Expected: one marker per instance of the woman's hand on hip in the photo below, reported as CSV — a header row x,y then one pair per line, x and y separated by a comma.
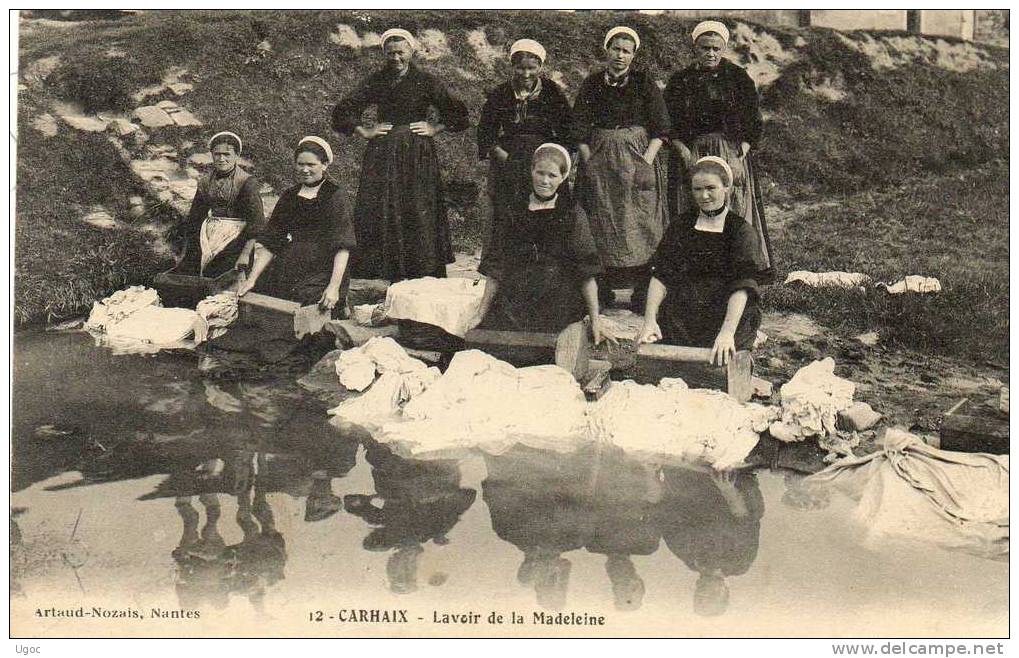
x,y
500,154
330,298
378,130
744,148
724,349
650,332
585,152
423,128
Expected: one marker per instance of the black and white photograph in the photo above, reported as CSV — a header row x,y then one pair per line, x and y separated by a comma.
x,y
511,323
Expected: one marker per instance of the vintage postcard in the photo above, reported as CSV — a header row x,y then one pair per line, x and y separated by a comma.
x,y
520,323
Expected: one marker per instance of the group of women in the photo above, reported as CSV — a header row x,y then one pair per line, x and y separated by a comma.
x,y
583,198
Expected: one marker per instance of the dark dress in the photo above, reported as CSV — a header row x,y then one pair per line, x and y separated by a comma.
x,y
235,196
712,112
401,219
519,126
700,271
303,264
540,259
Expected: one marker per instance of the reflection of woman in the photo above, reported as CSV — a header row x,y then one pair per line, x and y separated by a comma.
x,y
226,214
542,261
415,502
402,226
308,239
714,108
712,522
703,289
528,110
621,121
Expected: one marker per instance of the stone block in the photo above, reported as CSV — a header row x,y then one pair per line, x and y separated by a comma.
x,y
122,127
858,418
152,116
184,118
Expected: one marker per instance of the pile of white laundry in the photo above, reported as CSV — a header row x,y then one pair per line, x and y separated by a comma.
x,y
811,402
696,425
450,304
483,402
136,315
391,376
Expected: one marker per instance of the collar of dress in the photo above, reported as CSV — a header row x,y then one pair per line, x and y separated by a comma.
x,y
618,80
311,191
709,224
527,95
534,203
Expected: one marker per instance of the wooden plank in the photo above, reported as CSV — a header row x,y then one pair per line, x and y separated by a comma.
x,y
679,353
692,364
480,337
974,434
256,301
573,349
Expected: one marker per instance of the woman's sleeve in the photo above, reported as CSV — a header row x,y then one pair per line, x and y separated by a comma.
x,y
452,111
199,211
564,128
659,124
748,105
342,235
675,102
745,259
274,236
488,126
665,263
583,251
249,206
583,113
493,258
347,113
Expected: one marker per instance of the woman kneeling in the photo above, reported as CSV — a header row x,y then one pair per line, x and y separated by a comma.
x,y
542,262
704,289
310,267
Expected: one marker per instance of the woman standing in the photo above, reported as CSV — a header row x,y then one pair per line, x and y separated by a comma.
x,y
621,122
704,284
310,267
527,110
542,263
226,214
714,108
400,213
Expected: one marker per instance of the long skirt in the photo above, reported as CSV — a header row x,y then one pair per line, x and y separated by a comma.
x,y
625,197
509,181
536,297
746,201
400,215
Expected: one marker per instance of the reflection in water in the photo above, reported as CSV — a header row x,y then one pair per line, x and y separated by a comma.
x,y
414,502
547,504
230,438
712,522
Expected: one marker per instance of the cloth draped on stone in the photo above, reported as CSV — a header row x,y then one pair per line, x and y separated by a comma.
x,y
954,499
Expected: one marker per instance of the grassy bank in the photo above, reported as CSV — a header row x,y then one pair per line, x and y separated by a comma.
x,y
953,227
63,264
909,153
